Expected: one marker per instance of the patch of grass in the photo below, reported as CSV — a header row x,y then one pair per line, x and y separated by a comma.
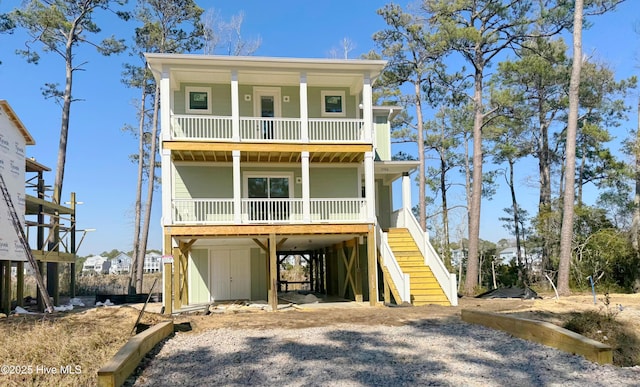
x,y
603,326
85,341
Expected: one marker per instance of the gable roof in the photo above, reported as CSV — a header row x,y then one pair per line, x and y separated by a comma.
x,y
6,109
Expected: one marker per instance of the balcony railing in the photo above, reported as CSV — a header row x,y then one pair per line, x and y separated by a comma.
x,y
256,129
193,127
270,129
269,211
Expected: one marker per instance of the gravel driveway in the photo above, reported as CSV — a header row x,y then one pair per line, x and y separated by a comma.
x,y
442,352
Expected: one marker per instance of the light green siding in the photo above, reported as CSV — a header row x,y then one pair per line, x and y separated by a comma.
x,y
383,137
291,109
333,182
199,276
383,199
258,275
201,181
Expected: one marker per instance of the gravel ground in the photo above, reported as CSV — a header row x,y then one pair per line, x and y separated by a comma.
x,y
441,352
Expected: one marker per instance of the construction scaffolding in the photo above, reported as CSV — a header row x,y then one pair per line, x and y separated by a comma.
x,y
54,243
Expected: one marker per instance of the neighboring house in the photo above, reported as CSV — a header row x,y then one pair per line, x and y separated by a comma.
x,y
531,258
152,263
120,264
265,157
96,264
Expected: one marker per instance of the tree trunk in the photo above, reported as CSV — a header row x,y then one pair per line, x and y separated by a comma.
x,y
635,225
516,224
150,188
566,235
421,170
476,189
138,204
445,212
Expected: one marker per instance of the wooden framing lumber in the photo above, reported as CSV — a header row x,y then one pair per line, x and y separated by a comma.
x,y
372,267
273,279
544,333
125,361
255,230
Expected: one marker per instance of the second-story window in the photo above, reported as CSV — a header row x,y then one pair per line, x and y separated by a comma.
x,y
333,103
198,100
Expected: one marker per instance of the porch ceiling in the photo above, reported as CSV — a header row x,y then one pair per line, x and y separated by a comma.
x,y
267,156
285,242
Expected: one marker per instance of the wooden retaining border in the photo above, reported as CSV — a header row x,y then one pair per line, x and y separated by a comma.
x,y
125,361
544,333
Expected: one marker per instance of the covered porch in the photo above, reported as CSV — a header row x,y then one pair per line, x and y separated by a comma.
x,y
214,263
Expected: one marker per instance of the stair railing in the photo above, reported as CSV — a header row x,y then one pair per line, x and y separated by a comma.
x,y
400,279
446,280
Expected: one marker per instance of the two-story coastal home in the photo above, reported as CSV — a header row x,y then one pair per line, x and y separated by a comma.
x,y
263,158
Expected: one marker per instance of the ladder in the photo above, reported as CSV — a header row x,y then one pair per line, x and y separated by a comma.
x,y
25,245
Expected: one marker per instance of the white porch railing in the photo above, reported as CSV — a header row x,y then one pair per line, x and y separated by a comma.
x,y
338,210
400,279
270,129
404,218
336,130
190,211
220,128
201,127
271,210
220,211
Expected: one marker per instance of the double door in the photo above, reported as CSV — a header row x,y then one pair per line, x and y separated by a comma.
x,y
230,275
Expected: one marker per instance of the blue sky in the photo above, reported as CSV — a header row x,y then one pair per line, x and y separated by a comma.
x,y
98,168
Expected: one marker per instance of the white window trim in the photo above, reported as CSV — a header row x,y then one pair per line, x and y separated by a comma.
x,y
247,175
189,89
340,93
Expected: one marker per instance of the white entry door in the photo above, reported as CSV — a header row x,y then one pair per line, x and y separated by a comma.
x,y
230,275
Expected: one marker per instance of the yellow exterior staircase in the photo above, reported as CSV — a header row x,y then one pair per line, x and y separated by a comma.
x,y
424,287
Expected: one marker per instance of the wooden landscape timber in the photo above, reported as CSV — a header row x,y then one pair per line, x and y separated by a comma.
x,y
544,333
126,360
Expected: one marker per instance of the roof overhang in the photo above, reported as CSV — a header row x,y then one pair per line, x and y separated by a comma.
x,y
6,109
255,70
33,166
389,111
389,171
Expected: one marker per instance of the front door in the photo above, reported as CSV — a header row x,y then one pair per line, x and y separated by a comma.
x,y
267,106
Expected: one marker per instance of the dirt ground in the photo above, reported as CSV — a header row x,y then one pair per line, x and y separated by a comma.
x,y
545,309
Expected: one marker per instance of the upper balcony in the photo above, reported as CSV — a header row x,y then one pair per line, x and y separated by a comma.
x,y
266,129
253,99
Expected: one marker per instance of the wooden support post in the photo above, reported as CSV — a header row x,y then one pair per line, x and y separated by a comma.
x,y
372,266
387,292
323,263
5,287
20,283
167,291
312,276
177,302
273,261
358,271
40,237
166,295
72,266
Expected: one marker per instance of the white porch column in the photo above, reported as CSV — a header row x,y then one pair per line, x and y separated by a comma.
x,y
235,107
237,203
304,109
167,194
369,188
406,191
367,109
165,102
306,205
